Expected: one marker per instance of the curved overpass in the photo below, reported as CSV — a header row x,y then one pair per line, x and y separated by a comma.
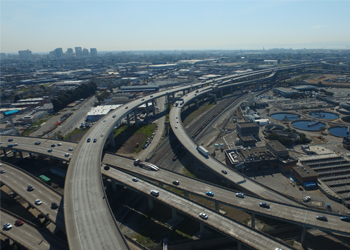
x,y
18,181
29,236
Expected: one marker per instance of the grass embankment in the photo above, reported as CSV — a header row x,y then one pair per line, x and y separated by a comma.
x,y
34,126
75,131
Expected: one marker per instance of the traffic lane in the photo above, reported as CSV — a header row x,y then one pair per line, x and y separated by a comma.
x,y
18,181
285,212
29,235
218,222
30,141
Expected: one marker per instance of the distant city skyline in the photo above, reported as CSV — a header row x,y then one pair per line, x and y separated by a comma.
x,y
42,26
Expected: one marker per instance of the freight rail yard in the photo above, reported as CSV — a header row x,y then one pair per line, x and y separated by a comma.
x,y
243,161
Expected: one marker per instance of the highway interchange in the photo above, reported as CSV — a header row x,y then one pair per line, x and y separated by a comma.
x,y
83,180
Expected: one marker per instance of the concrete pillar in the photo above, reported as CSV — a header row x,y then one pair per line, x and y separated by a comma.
x,y
154,109
303,234
30,155
201,226
217,206
128,119
111,139
239,245
196,100
135,116
147,108
253,220
14,153
215,99
231,90
166,128
4,151
20,154
150,203
114,186
173,212
221,93
184,92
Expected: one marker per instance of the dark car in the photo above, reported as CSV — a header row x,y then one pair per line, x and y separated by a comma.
x,y
126,107
30,188
37,143
224,171
176,182
209,193
10,139
95,140
54,205
264,204
88,140
345,218
53,145
10,146
321,217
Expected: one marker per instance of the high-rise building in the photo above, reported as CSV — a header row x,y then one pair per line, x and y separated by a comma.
x,y
93,52
69,51
85,52
58,53
25,54
78,51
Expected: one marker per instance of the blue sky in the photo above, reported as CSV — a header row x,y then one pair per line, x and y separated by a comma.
x,y
42,26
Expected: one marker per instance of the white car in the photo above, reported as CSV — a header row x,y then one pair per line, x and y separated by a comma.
x,y
38,202
66,154
15,144
203,216
59,144
7,226
307,198
240,195
70,149
135,179
102,134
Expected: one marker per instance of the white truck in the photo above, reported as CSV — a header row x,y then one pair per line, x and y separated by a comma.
x,y
203,151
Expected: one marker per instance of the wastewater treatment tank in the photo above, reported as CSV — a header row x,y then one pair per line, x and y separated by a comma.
x,y
285,116
339,131
308,125
324,115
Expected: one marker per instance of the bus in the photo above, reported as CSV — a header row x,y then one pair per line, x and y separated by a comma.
x,y
45,179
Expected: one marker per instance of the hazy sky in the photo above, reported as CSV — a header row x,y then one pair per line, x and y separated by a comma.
x,y
42,26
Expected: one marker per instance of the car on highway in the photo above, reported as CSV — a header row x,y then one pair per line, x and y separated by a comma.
x,y
135,179
102,134
9,140
54,205
15,144
264,204
37,143
175,126
70,149
321,217
142,99
126,107
95,140
203,216
53,145
240,195
30,188
155,193
224,171
7,226
151,96
66,154
49,150
176,182
114,116
10,146
38,202
177,121
2,171
345,218
88,140
59,144
176,117
306,198
209,193
19,223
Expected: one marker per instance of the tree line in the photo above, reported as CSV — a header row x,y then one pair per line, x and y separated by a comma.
x,y
83,91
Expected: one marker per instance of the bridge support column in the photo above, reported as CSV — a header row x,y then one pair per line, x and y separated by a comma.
x,y
111,139
150,203
215,99
303,234
239,245
184,92
253,220
128,119
154,109
30,155
147,108
221,93
4,151
114,186
135,116
14,153
168,101
231,88
173,212
20,154
166,128
196,100
201,226
217,206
